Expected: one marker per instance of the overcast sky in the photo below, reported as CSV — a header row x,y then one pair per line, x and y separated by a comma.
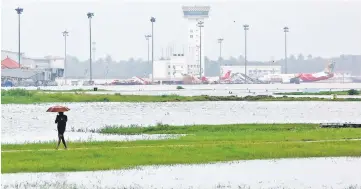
x,y
321,28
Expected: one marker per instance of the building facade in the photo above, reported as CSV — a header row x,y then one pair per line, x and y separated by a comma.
x,y
53,67
196,35
170,69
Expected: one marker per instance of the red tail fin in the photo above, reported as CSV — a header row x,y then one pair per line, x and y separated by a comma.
x,y
227,75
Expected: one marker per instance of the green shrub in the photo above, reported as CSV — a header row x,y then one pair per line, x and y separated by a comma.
x,y
353,92
16,92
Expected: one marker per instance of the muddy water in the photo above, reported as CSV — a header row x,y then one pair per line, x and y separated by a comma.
x,y
28,122
343,172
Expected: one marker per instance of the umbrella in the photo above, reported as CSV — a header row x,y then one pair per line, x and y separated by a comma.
x,y
58,109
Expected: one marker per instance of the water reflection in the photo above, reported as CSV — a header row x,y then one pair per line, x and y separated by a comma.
x,y
317,173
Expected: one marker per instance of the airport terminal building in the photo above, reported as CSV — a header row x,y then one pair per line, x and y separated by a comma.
x,y
33,70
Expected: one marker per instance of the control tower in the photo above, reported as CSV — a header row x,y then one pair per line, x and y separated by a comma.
x,y
194,14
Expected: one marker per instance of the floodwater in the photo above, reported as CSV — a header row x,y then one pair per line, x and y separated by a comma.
x,y
341,172
211,90
302,86
34,136
22,123
239,93
30,123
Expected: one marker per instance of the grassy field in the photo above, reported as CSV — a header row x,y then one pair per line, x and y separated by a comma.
x,y
203,144
349,92
20,96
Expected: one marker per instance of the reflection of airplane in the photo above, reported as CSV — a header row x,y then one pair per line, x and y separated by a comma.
x,y
303,77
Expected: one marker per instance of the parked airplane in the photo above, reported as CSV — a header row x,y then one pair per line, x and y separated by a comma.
x,y
278,78
222,79
356,79
300,77
132,81
312,77
141,80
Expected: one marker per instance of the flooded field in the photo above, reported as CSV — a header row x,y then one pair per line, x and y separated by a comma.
x,y
212,90
30,123
239,93
33,122
323,86
316,173
49,136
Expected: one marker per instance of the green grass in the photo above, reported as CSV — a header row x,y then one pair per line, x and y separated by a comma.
x,y
20,96
203,144
354,92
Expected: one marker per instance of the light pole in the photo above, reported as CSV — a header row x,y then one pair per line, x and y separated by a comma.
x,y
286,29
147,38
65,34
90,15
19,11
106,72
94,50
200,25
152,20
220,40
246,27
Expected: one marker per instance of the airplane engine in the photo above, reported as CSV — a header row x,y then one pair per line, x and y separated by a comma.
x,y
295,80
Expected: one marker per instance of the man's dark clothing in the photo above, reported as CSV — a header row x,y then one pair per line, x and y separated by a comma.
x,y
61,121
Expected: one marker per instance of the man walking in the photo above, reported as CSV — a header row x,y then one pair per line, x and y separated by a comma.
x,y
61,120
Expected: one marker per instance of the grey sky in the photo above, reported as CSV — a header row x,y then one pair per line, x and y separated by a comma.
x,y
320,28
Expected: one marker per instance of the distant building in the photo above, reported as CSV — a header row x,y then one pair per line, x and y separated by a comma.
x,y
53,67
20,74
171,69
13,74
